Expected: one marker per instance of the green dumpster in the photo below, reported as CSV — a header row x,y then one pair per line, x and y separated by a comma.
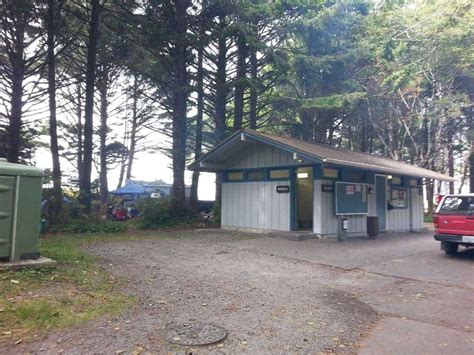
x,y
20,211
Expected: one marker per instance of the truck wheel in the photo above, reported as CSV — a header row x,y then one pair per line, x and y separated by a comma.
x,y
449,248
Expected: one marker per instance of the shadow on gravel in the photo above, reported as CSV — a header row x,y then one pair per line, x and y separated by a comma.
x,y
463,254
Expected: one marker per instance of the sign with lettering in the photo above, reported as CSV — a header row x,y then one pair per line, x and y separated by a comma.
x,y
327,187
283,189
350,189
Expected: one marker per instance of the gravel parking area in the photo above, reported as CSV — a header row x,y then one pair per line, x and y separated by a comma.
x,y
273,295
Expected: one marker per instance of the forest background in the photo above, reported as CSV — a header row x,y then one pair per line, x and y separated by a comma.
x,y
102,84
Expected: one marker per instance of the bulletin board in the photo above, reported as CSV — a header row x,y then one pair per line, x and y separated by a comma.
x,y
399,197
351,198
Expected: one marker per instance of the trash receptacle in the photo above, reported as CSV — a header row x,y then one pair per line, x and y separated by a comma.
x,y
373,226
20,211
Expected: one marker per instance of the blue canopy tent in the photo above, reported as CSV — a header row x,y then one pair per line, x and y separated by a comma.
x,y
134,190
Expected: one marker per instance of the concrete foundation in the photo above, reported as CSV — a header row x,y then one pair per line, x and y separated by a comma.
x,y
39,263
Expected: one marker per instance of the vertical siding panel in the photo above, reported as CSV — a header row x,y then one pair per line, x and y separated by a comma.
x,y
255,205
268,203
224,206
372,207
416,201
267,210
278,200
317,202
236,212
260,155
248,206
229,204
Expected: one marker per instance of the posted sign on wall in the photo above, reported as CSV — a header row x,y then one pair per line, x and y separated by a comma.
x,y
283,189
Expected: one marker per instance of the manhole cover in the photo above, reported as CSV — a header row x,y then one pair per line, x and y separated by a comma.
x,y
195,334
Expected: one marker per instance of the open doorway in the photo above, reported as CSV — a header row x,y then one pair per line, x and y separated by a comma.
x,y
304,198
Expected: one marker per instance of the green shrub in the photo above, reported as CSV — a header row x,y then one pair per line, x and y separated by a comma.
x,y
85,226
163,212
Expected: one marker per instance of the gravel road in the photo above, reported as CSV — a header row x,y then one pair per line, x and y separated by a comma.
x,y
271,295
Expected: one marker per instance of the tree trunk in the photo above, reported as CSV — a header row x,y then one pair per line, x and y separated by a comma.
x,y
450,133
240,82
16,108
103,89
430,195
133,130
179,103
471,156
85,184
199,123
253,89
221,98
53,127
79,133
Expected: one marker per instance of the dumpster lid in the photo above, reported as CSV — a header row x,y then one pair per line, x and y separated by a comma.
x,y
7,168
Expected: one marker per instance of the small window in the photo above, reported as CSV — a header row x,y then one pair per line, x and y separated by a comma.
x,y
256,175
357,176
396,180
235,176
413,182
280,174
330,173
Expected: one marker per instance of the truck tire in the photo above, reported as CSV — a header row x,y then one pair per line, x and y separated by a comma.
x,y
449,248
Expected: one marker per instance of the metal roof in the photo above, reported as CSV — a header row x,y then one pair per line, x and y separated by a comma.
x,y
327,154
7,168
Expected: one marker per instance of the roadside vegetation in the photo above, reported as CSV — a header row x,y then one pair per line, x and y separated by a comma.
x,y
75,291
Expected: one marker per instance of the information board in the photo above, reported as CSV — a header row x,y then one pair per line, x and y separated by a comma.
x,y
351,198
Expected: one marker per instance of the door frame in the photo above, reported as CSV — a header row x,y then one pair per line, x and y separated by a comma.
x,y
294,196
385,200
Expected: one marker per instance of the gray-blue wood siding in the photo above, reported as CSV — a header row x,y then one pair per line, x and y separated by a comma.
x,y
258,155
255,205
403,219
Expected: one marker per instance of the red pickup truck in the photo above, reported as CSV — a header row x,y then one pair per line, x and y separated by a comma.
x,y
454,222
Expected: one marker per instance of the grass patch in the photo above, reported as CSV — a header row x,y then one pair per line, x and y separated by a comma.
x,y
77,290
86,226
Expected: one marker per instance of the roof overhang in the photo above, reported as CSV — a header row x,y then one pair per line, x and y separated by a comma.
x,y
389,171
210,161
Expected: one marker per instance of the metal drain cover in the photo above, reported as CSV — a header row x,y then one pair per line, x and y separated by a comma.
x,y
191,334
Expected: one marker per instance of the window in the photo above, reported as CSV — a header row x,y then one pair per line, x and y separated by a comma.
x,y
357,176
330,173
413,182
458,205
280,174
235,176
256,175
396,180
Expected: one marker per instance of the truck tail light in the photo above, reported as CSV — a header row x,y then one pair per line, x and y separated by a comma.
x,y
436,221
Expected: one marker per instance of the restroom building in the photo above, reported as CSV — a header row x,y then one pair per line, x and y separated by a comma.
x,y
274,183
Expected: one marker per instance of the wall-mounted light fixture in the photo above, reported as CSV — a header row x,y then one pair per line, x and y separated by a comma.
x,y
390,177
297,158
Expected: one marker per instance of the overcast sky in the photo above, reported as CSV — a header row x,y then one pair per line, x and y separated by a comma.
x,y
147,167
